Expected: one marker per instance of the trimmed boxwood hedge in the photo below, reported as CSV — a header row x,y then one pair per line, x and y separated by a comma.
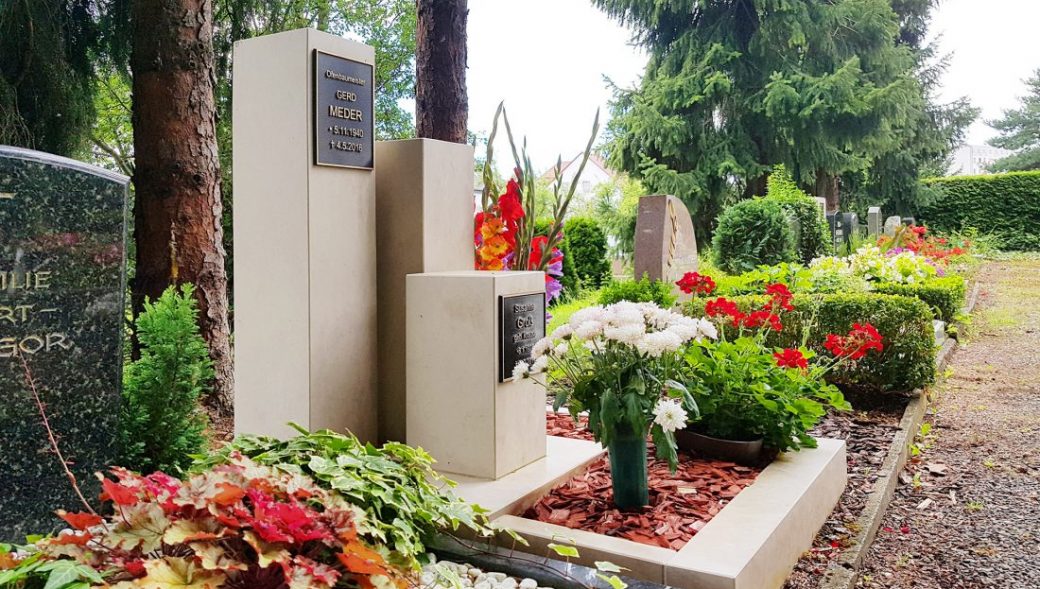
x,y
906,363
944,295
1006,206
637,291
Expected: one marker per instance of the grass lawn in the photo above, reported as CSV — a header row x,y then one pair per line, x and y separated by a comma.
x,y
562,313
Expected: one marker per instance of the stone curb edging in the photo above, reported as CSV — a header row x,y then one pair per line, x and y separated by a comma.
x,y
851,560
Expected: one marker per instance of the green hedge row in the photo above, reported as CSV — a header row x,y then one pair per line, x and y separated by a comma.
x,y
906,363
588,246
1006,206
944,295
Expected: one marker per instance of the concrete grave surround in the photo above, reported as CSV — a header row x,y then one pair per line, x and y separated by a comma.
x,y
305,251
665,247
457,410
874,226
424,219
62,285
753,543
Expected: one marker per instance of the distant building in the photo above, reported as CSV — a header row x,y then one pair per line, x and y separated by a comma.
x,y
970,160
594,174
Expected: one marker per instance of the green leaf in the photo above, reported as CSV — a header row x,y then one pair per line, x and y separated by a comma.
x,y
614,581
608,567
564,551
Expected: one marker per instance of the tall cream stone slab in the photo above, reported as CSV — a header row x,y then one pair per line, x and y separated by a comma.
x,y
424,223
457,410
305,251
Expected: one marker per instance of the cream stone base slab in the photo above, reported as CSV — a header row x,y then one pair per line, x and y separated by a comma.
x,y
519,490
753,543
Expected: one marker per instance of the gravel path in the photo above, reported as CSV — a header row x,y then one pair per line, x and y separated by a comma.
x,y
967,511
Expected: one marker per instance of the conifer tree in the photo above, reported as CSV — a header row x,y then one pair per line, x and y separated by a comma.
x,y
1020,130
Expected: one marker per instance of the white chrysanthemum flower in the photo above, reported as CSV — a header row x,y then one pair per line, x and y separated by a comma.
x,y
656,343
670,415
520,370
625,313
628,333
541,347
561,349
707,328
540,365
587,314
562,332
588,330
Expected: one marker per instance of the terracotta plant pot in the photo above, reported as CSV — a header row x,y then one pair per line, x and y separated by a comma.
x,y
628,472
747,452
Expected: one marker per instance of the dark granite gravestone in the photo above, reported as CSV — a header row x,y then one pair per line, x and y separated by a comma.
x,y
62,283
665,245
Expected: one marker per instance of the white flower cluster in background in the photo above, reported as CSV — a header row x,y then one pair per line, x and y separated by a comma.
x,y
644,328
868,263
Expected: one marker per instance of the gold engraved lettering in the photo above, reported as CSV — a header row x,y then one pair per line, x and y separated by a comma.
x,y
8,347
25,280
16,314
34,344
346,96
6,196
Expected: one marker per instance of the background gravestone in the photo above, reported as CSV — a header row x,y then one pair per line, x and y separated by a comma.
x,y
62,282
874,222
665,246
892,224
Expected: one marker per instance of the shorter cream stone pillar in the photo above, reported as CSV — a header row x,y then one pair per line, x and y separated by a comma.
x,y
463,329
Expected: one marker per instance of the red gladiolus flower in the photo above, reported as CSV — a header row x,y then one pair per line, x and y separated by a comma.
x,y
791,358
692,282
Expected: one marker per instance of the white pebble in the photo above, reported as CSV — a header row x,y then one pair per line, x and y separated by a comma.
x,y
528,584
483,585
496,577
507,583
474,572
427,578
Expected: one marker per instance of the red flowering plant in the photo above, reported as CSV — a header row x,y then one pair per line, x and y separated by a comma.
x,y
239,524
746,390
917,239
505,237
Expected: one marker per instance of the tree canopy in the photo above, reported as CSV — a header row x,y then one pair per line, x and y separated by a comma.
x,y
1020,131
735,86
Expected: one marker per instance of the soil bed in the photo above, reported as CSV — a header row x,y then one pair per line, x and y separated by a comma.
x,y
868,431
680,503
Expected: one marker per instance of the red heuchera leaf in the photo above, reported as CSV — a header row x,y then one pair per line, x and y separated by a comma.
x,y
285,522
135,567
117,493
362,560
79,521
229,494
73,539
319,572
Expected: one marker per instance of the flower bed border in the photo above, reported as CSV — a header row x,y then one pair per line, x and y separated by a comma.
x,y
754,542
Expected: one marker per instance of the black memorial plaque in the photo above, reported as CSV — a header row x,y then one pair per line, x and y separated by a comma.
x,y
521,325
62,281
344,126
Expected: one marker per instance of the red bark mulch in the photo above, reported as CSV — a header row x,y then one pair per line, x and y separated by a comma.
x,y
680,504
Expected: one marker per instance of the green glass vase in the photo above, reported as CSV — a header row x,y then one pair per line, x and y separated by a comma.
x,y
628,472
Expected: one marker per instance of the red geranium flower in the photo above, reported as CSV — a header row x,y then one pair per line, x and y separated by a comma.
x,y
781,296
861,339
692,282
723,306
791,358
760,318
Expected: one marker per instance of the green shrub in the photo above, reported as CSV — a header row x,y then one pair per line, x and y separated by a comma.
x,y
588,247
752,233
569,280
161,423
811,239
906,363
945,295
641,291
1006,206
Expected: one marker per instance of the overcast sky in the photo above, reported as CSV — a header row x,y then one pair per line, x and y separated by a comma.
x,y
547,60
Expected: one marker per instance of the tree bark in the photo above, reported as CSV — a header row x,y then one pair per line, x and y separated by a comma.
x,y
827,187
177,209
441,103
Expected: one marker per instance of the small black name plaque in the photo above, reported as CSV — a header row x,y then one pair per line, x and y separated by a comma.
x,y
521,325
343,112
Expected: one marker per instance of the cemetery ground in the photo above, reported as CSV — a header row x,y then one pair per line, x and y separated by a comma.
x,y
965,510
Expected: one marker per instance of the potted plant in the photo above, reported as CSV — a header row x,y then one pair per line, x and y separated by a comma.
x,y
619,362
752,397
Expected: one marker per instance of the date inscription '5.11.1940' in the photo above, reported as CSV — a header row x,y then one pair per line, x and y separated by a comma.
x,y
521,325
343,112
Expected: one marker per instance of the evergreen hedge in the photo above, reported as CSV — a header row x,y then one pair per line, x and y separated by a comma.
x,y
1006,206
945,295
752,233
812,236
588,247
908,359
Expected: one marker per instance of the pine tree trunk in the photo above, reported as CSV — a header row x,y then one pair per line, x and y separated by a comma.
x,y
827,187
177,210
440,59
